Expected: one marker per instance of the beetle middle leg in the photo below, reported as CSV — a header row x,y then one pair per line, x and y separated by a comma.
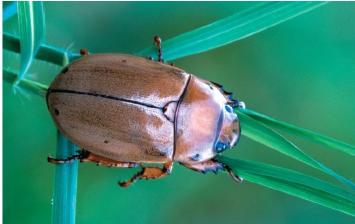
x,y
212,166
149,173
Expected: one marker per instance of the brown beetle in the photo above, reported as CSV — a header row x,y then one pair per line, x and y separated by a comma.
x,y
125,110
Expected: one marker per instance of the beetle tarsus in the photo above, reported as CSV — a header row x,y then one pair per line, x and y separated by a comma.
x,y
84,52
232,174
213,166
132,179
158,43
149,173
82,155
62,161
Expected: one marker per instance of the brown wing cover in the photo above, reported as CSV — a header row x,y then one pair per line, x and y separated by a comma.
x,y
124,76
113,129
84,102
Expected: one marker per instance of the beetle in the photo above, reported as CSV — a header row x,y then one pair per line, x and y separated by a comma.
x,y
124,110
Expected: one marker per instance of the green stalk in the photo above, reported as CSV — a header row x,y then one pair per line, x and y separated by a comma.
x,y
294,183
34,87
230,29
301,132
65,187
32,26
50,54
261,133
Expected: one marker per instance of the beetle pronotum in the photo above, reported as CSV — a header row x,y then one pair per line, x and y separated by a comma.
x,y
125,110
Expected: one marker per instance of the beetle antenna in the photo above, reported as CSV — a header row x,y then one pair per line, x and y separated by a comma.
x,y
158,43
232,174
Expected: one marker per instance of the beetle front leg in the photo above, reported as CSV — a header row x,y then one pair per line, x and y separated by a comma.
x,y
212,166
149,173
158,43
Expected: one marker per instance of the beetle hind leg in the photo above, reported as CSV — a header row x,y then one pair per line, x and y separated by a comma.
x,y
83,154
102,161
86,156
149,173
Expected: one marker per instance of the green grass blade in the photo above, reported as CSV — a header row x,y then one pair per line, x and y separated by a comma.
x,y
301,132
9,11
32,30
260,133
65,187
47,53
26,84
233,28
294,183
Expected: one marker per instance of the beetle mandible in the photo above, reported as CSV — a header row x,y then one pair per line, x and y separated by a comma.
x,y
124,110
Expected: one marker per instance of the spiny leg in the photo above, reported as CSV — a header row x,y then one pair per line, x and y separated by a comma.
x,y
102,161
86,156
149,173
82,155
212,166
158,43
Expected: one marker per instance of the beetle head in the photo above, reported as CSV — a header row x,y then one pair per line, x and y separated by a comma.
x,y
228,123
206,123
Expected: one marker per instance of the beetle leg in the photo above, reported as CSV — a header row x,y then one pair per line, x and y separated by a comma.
x,y
102,161
86,156
84,52
149,173
213,166
158,43
82,155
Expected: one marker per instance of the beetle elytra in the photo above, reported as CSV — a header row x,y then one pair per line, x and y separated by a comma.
x,y
125,110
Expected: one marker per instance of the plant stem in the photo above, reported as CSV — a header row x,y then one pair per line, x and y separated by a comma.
x,y
9,11
54,55
301,132
233,28
26,84
65,187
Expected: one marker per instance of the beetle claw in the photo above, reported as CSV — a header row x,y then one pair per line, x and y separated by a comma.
x,y
84,52
158,44
233,175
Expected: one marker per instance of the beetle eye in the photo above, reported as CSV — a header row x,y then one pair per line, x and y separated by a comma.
x,y
220,147
228,108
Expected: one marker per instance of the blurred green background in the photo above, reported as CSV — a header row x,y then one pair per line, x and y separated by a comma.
x,y
302,71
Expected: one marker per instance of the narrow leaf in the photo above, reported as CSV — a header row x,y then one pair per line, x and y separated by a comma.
x,y
32,30
47,53
294,183
26,84
9,11
260,133
233,28
301,132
